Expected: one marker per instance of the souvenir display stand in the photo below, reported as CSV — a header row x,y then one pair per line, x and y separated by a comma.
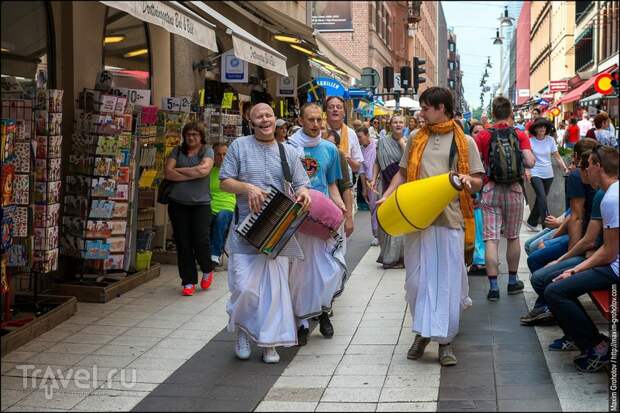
x,y
100,212
30,159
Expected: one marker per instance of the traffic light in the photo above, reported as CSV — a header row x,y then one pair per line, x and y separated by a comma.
x,y
418,69
388,77
405,77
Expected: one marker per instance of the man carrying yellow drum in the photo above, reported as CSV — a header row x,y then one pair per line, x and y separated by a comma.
x,y
436,277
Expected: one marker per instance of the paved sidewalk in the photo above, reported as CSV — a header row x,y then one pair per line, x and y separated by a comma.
x,y
184,359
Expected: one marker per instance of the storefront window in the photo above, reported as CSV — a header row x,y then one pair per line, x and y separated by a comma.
x,y
126,51
26,46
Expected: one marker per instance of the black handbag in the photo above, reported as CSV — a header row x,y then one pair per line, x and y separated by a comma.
x,y
163,191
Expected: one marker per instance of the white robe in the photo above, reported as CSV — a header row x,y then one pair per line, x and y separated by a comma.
x,y
260,301
436,284
319,278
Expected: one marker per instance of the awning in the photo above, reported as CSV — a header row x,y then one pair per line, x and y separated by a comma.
x,y
591,99
576,93
246,46
173,17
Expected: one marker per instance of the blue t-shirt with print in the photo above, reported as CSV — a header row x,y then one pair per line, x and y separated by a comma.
x,y
596,213
322,163
575,188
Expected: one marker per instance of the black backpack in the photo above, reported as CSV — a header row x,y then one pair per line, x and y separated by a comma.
x,y
505,157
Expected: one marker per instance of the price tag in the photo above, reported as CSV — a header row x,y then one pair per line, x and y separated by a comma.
x,y
136,97
176,104
227,100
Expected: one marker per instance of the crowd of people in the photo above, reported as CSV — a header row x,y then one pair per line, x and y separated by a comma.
x,y
273,300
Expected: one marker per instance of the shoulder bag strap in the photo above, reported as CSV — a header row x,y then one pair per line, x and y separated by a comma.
x,y
285,167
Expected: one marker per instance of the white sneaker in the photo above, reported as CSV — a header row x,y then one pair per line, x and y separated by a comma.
x,y
374,242
270,355
242,346
215,259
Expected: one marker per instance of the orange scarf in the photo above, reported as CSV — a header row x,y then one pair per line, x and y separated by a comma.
x,y
415,160
344,139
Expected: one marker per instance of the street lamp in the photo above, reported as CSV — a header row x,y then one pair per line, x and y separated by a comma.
x,y
489,62
505,21
497,39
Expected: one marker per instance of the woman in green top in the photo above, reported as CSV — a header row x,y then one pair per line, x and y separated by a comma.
x,y
222,206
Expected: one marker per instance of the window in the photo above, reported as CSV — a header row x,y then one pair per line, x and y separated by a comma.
x,y
378,17
581,9
372,18
126,51
452,47
27,44
451,65
584,50
451,84
388,25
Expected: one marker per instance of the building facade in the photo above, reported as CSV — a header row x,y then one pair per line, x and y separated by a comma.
x,y
442,48
522,55
540,50
455,75
425,41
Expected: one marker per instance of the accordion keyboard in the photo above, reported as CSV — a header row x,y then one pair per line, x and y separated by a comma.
x,y
257,227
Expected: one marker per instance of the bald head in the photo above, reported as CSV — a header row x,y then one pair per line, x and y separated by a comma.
x,y
264,122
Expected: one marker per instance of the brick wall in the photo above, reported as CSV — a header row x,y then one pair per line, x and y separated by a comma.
x,y
353,45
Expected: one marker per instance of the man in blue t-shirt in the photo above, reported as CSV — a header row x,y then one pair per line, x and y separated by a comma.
x,y
579,196
319,277
598,272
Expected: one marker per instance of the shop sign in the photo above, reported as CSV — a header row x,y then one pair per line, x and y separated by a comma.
x,y
176,104
234,70
259,56
172,19
547,95
558,86
332,16
524,93
332,86
136,97
287,85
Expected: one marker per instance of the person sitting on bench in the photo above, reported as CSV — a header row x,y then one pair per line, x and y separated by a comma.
x,y
598,272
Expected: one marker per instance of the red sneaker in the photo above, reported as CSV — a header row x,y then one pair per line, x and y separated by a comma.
x,y
205,283
189,291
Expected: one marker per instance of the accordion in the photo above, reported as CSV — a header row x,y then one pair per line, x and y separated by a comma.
x,y
272,227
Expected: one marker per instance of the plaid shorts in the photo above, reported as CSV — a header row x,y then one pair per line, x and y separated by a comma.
x,y
502,210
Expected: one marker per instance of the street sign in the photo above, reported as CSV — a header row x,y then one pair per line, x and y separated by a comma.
x,y
547,95
524,93
558,86
467,115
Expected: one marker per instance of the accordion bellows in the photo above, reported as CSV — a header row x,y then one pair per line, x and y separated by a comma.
x,y
324,216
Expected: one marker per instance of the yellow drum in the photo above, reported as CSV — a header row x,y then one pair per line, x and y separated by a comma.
x,y
415,205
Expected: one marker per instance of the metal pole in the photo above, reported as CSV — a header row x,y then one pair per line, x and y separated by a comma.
x,y
501,62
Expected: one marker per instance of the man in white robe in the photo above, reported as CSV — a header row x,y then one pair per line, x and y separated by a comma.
x,y
318,278
260,306
436,282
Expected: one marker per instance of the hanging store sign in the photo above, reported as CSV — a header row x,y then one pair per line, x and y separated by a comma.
x,y
258,56
332,16
602,84
332,87
524,93
234,70
172,17
287,85
558,86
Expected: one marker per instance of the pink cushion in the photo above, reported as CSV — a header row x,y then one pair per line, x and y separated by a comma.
x,y
324,216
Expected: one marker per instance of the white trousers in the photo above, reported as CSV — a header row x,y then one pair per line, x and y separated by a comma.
x,y
260,301
436,284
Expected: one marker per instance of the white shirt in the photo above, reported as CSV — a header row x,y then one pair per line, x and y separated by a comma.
x,y
610,213
355,152
542,150
584,126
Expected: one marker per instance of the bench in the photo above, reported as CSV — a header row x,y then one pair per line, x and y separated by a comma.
x,y
601,300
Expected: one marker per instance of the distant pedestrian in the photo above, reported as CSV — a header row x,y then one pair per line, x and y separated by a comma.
x,y
584,125
602,133
541,175
369,150
502,194
572,134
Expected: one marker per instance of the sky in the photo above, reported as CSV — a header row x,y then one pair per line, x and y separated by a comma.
x,y
475,24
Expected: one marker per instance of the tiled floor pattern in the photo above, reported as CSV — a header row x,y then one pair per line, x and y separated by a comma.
x,y
362,368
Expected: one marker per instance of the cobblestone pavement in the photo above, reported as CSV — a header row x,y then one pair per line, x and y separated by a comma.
x,y
153,350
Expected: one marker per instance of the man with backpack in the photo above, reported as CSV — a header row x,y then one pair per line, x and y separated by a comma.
x,y
506,152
